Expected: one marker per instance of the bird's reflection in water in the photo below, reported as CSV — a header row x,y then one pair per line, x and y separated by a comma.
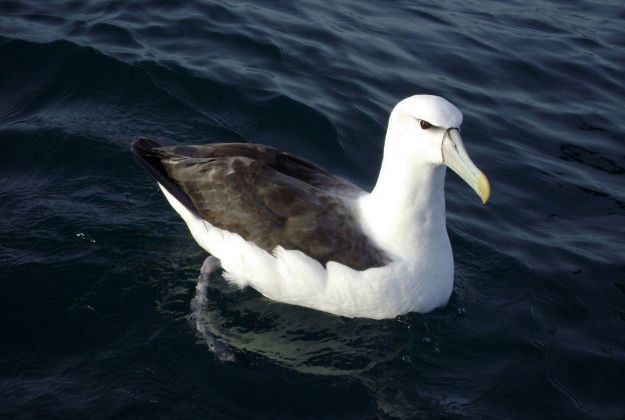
x,y
241,325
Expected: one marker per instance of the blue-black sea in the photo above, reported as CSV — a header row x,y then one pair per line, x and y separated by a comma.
x,y
98,273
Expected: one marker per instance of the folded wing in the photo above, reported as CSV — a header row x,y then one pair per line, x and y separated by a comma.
x,y
265,195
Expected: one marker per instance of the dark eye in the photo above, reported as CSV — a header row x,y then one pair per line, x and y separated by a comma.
x,y
425,125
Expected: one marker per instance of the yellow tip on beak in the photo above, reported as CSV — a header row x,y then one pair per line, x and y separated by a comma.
x,y
483,188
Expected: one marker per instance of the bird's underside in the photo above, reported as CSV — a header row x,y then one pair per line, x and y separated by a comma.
x,y
267,196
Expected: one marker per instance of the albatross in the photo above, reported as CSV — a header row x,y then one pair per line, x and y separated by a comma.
x,y
300,235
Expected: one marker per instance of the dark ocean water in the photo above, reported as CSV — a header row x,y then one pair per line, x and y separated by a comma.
x,y
98,274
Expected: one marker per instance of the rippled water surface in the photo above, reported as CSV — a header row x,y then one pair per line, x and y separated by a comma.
x,y
98,274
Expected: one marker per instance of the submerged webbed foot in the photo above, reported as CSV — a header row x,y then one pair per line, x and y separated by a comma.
x,y
199,304
210,265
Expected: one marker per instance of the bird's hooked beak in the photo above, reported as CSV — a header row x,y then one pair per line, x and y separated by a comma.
x,y
455,157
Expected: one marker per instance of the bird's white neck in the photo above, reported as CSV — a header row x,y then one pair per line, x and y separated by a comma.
x,y
405,212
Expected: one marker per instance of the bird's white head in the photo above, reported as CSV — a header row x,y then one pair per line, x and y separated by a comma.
x,y
425,129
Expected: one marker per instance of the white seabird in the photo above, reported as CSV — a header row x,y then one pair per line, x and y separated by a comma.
x,y
300,235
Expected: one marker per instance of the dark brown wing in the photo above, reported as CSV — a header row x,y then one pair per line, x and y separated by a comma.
x,y
265,195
